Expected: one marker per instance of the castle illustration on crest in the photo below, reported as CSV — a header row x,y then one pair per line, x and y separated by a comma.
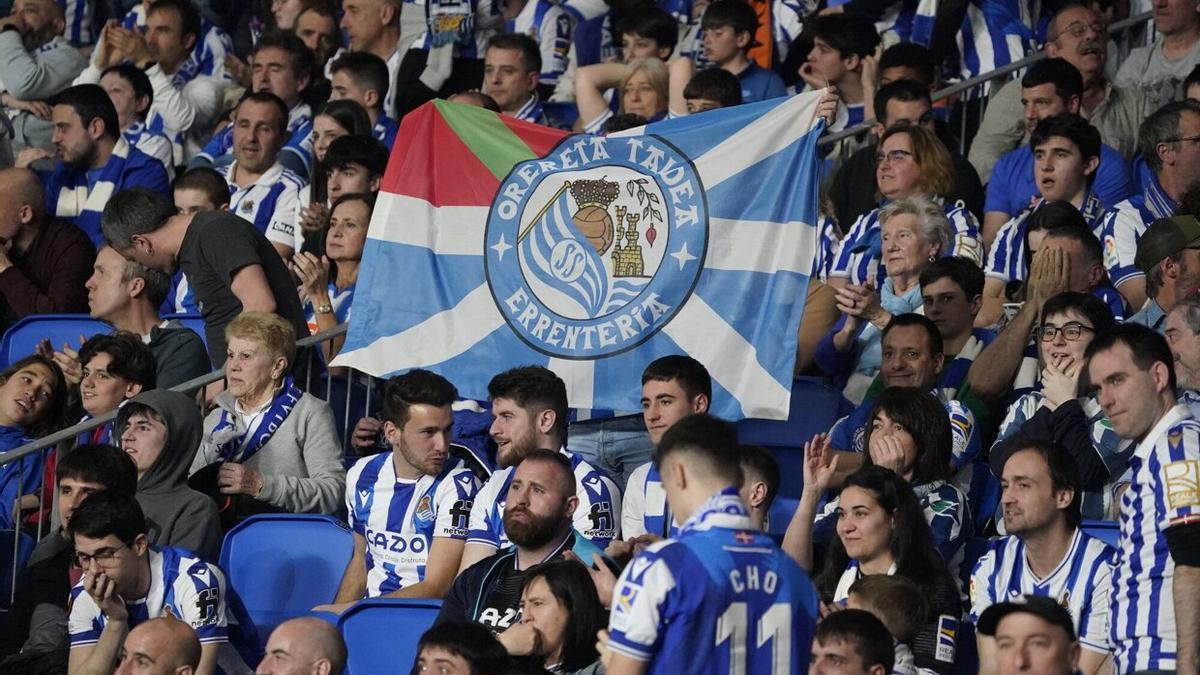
x,y
595,222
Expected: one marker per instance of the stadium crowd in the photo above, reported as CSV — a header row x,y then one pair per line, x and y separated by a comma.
x,y
1004,299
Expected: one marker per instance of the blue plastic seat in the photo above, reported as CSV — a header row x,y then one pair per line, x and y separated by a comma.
x,y
22,338
10,566
782,510
282,565
814,408
381,633
1108,531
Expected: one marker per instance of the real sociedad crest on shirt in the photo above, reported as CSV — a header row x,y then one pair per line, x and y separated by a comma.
x,y
593,248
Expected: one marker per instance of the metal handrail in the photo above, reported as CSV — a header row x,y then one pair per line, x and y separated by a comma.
x,y
971,83
185,387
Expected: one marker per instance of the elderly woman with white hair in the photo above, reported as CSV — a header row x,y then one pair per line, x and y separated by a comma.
x,y
914,232
267,446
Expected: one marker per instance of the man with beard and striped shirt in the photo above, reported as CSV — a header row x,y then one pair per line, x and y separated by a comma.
x,y
1045,553
1154,609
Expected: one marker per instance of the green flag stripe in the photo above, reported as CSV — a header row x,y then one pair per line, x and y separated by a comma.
x,y
496,146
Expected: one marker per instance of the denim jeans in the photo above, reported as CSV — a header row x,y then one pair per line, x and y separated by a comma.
x,y
616,445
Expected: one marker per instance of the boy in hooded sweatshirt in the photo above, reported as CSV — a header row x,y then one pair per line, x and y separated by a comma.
x,y
160,430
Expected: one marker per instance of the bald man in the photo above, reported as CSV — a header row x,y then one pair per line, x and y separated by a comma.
x,y
305,645
38,63
163,646
44,263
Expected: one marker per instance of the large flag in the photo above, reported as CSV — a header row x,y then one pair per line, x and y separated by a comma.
x,y
497,243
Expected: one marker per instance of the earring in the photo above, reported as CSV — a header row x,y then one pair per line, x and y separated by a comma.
x,y
932,257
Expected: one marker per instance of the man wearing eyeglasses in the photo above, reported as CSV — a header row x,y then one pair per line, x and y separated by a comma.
x,y
1169,255
1078,35
125,582
1170,142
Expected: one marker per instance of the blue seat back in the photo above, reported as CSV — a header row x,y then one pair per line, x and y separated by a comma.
x,y
23,543
814,408
1108,531
973,550
782,510
381,634
22,338
195,322
282,565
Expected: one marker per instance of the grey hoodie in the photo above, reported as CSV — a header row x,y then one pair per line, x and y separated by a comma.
x,y
176,515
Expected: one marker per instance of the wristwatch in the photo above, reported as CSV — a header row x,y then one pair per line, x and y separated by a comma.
x,y
324,309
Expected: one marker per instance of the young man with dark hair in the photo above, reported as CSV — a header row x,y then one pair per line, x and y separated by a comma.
x,y
160,430
512,67
32,626
1066,156
840,43
650,32
760,482
529,404
363,78
132,95
1154,616
710,599
409,508
461,647
898,102
115,368
852,642
1051,87
729,27
1045,553
201,189
673,387
710,89
109,532
952,294
94,160
317,27
907,61
353,164
539,506
231,266
897,602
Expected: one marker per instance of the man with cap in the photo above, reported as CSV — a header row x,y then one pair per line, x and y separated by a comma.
x,y
1169,255
1033,634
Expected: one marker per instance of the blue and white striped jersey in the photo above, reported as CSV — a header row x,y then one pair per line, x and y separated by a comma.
x,y
827,246
858,255
207,57
598,516
153,144
78,16
1114,450
1165,470
1007,257
385,130
533,111
996,33
722,598
645,510
191,589
1080,583
908,21
399,518
1126,224
550,26
270,203
75,197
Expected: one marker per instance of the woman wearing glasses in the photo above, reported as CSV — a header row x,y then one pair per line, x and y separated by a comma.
x,y
1063,409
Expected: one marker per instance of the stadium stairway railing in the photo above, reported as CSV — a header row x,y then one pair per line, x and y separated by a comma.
x,y
381,633
280,566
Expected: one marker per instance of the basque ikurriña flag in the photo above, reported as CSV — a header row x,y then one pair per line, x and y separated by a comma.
x,y
497,243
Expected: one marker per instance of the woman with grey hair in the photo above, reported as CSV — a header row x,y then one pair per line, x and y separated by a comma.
x,y
914,232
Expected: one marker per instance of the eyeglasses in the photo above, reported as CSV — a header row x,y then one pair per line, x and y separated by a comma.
x,y
893,156
101,557
1078,29
1071,331
1190,139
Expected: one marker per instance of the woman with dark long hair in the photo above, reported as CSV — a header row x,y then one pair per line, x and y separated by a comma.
x,y
881,529
560,615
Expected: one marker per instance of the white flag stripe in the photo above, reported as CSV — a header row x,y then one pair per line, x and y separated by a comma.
x,y
442,336
760,246
730,359
580,378
777,129
445,230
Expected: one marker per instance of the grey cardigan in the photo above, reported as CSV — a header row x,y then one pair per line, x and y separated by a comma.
x,y
302,462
